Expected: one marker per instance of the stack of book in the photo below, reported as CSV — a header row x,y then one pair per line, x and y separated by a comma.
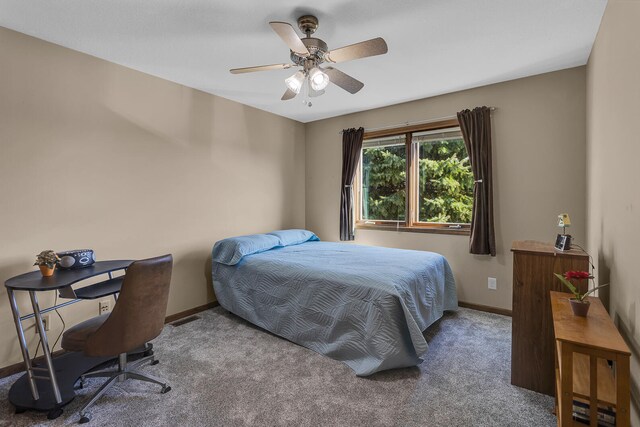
x,y
581,414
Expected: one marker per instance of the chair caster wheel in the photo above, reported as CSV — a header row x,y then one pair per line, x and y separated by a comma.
x,y
155,362
84,419
54,413
20,410
165,389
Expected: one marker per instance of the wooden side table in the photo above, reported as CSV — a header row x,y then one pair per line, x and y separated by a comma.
x,y
592,364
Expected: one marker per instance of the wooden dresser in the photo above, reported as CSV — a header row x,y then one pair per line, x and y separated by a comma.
x,y
532,347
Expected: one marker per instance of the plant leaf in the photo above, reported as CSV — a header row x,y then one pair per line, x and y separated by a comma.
x,y
569,285
594,289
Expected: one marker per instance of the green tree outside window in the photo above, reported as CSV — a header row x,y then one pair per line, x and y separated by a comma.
x,y
445,187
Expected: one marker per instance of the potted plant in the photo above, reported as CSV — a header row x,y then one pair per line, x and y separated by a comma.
x,y
579,304
47,261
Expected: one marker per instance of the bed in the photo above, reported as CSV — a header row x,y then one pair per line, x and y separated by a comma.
x,y
365,306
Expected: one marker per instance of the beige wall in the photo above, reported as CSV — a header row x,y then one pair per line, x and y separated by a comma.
x,y
539,172
97,155
613,150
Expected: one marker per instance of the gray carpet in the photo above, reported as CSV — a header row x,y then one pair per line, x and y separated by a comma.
x,y
226,372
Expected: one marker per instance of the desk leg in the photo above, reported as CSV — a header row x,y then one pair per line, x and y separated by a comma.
x,y
23,344
45,347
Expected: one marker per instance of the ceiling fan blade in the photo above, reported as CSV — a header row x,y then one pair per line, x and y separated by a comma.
x,y
289,94
290,37
343,80
371,47
260,68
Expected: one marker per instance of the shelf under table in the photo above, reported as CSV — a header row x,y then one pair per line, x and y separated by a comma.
x,y
98,290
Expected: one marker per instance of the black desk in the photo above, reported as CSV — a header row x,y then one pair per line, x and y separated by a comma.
x,y
25,392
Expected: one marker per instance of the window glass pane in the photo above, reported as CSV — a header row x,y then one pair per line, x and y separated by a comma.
x,y
383,179
445,187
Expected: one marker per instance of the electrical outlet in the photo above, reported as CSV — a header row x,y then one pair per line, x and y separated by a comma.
x,y
104,306
45,322
493,284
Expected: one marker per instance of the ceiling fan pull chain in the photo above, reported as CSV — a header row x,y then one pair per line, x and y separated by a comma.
x,y
307,98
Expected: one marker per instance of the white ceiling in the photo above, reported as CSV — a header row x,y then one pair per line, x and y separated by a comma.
x,y
435,46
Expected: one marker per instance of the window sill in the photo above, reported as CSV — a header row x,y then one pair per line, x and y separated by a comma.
x,y
402,228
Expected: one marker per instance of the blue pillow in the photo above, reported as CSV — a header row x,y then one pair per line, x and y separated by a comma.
x,y
294,237
230,251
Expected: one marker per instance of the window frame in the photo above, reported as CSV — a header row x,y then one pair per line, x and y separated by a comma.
x,y
411,222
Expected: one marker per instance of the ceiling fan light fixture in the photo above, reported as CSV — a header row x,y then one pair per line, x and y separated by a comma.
x,y
318,79
309,54
294,83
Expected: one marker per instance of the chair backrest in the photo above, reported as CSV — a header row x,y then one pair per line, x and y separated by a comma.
x,y
138,316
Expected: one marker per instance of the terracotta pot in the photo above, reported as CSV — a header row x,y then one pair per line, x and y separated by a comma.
x,y
46,271
580,308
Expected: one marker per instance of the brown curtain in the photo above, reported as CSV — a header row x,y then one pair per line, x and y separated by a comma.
x,y
476,130
351,149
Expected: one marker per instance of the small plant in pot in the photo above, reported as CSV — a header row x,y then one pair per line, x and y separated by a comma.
x,y
47,261
579,304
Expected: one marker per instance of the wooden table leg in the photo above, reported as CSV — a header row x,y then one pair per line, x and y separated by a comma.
x,y
623,415
566,399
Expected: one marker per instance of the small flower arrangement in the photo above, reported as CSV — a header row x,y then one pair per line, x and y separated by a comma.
x,y
578,303
577,275
47,261
48,258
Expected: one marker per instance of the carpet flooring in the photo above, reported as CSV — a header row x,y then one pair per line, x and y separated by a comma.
x,y
227,372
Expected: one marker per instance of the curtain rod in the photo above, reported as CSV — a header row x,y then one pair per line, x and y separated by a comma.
x,y
421,122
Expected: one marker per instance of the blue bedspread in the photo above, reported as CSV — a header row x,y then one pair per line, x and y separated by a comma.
x,y
362,305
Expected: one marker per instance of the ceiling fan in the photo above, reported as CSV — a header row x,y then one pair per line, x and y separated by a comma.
x,y
309,53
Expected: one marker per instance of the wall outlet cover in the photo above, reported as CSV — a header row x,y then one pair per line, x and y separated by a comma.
x,y
493,283
46,322
104,307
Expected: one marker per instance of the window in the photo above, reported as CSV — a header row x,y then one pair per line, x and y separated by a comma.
x,y
384,163
415,179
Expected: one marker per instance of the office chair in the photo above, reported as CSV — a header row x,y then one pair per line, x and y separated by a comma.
x,y
137,318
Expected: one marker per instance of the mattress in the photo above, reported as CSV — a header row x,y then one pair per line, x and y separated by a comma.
x,y
364,306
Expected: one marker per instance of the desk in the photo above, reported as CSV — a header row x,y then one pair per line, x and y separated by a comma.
x,y
24,393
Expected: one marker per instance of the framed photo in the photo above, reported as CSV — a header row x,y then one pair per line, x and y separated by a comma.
x,y
563,242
